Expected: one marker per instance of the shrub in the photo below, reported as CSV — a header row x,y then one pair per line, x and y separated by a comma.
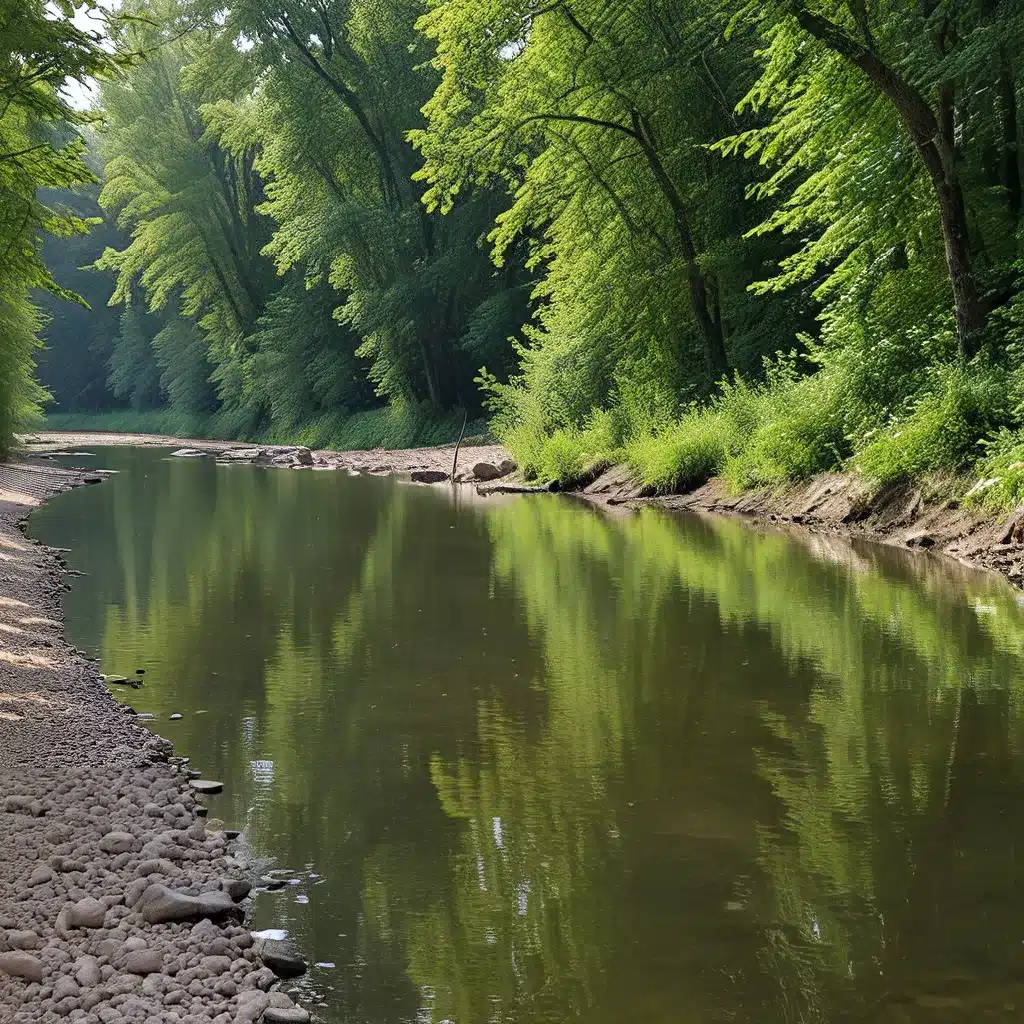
x,y
800,432
1001,472
944,430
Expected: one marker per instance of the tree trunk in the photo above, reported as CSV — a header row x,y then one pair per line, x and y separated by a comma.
x,y
1010,154
934,144
709,323
433,391
967,305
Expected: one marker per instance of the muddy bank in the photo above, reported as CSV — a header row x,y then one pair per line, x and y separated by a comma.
x,y
845,504
118,902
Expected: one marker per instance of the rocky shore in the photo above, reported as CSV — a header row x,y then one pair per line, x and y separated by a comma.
x,y
476,463
118,902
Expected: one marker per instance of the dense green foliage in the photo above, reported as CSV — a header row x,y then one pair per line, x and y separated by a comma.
x,y
758,239
41,50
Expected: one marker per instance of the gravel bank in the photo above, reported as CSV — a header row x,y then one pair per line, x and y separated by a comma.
x,y
117,903
378,462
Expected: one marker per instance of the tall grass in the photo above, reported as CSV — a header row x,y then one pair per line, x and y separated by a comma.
x,y
793,426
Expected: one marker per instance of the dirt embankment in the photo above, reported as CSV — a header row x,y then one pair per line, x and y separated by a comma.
x,y
117,902
844,504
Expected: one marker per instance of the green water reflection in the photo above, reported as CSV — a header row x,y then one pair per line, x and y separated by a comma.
x,y
529,762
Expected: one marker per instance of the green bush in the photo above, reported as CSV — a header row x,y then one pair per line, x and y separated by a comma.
x,y
943,433
801,431
1000,484
683,455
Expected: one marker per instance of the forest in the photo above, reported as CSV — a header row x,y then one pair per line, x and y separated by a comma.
x,y
756,239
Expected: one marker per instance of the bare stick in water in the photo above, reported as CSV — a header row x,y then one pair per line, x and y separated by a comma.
x,y
458,444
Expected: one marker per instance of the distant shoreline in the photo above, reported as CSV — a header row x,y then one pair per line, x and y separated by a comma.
x,y
839,504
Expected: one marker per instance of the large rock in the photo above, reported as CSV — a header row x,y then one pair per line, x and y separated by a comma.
x,y
285,1015
87,913
429,476
20,964
487,471
189,453
282,959
143,962
207,786
158,904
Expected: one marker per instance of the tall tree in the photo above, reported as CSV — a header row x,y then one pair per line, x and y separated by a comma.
x,y
41,49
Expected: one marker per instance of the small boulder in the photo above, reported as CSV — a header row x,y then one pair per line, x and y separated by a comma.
x,y
117,842
236,888
486,471
23,939
251,1005
429,476
188,453
285,1015
143,962
282,959
87,913
20,964
87,972
40,876
206,786
158,904
65,988
216,964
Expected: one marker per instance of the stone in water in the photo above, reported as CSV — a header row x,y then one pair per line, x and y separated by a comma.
x,y
207,786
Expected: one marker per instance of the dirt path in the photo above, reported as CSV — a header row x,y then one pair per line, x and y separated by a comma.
x,y
117,902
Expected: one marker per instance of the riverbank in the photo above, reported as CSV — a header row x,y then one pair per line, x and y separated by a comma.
x,y
117,902
839,504
378,462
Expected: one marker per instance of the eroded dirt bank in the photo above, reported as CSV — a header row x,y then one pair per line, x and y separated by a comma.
x,y
117,902
844,504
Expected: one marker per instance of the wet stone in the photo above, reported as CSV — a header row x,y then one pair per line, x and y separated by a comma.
x,y
206,786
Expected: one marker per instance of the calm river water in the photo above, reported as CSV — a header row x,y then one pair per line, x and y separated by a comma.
x,y
526,762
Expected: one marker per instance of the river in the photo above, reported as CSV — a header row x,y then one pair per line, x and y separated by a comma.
x,y
519,760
